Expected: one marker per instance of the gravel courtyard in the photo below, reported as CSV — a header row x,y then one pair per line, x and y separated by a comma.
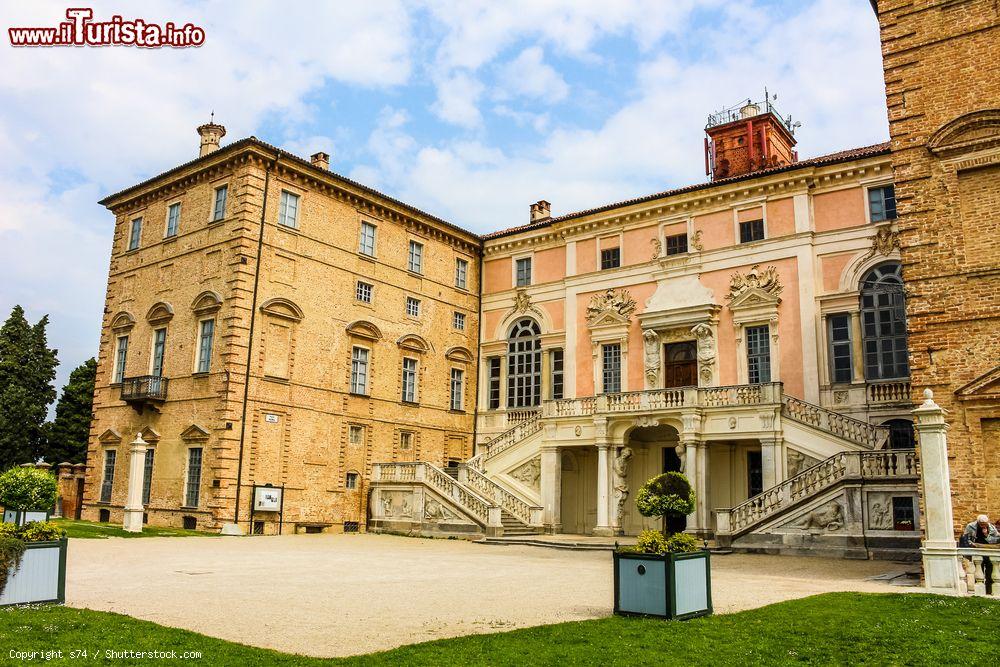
x,y
332,595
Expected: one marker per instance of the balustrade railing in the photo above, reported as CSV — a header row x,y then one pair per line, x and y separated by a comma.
x,y
889,392
519,415
472,504
848,428
522,511
972,561
510,437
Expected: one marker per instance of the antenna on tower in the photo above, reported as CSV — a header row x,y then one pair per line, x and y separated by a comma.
x,y
212,117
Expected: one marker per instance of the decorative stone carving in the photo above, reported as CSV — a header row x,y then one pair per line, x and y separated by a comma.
x,y
828,517
880,511
618,302
883,243
797,462
396,504
755,279
620,469
706,352
681,452
841,397
732,423
529,473
578,431
651,345
435,511
696,241
657,249
766,421
522,301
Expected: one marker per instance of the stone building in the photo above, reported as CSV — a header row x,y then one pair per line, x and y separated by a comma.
x,y
942,75
270,322
748,331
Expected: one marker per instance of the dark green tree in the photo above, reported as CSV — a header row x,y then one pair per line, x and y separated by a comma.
x,y
67,434
27,370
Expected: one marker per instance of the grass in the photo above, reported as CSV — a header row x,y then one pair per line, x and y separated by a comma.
x,y
830,629
94,530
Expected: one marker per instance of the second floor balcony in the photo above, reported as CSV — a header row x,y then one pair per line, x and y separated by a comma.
x,y
145,391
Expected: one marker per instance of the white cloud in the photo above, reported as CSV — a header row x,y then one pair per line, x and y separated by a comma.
x,y
529,76
458,94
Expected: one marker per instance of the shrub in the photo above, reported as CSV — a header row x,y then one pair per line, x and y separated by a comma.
x,y
11,552
41,531
680,543
28,489
651,542
669,494
654,542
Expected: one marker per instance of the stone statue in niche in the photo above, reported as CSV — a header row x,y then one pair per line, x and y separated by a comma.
x,y
706,352
386,506
829,517
617,301
651,346
797,462
404,508
620,469
529,473
880,512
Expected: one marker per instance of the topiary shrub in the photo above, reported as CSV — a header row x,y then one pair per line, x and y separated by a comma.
x,y
40,531
669,494
28,489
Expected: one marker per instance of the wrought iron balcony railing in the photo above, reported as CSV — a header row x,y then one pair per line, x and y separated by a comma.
x,y
145,389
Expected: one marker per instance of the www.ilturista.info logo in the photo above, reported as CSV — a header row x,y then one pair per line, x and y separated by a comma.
x,y
81,30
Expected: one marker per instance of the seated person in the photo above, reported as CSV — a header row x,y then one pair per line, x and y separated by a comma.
x,y
981,531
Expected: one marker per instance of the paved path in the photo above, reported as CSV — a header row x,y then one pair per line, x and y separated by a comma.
x,y
330,595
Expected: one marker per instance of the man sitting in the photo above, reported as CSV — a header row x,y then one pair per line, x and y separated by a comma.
x,y
981,531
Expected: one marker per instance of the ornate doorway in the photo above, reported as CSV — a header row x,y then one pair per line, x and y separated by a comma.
x,y
680,364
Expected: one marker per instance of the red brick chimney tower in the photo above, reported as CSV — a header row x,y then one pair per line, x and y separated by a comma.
x,y
748,137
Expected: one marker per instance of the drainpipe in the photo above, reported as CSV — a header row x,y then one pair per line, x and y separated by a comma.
x,y
253,320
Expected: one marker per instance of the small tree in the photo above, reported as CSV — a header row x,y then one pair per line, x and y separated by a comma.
x,y
67,434
668,496
25,488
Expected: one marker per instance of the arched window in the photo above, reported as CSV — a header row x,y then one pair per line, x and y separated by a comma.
x,y
883,323
524,365
900,434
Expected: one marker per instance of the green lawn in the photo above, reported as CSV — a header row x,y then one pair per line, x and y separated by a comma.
x,y
836,628
94,530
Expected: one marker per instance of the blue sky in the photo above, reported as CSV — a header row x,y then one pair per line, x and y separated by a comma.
x,y
469,110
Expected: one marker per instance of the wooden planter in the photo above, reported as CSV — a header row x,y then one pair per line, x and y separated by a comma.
x,y
41,577
670,586
21,517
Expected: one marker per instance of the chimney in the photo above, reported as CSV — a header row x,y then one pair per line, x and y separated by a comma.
x,y
211,134
541,210
748,137
321,160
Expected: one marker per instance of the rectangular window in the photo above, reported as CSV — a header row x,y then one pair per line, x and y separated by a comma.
x,y
415,260
121,354
193,477
159,346
351,482
902,513
366,241
556,363
356,434
108,481
758,354
493,385
882,203
135,234
751,230
457,388
612,368
523,271
412,307
611,258
405,440
363,292
359,370
677,244
147,475
841,360
409,380
173,219
219,207
205,336
459,321
461,273
288,211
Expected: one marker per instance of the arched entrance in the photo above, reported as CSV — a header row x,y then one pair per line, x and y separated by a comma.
x,y
654,451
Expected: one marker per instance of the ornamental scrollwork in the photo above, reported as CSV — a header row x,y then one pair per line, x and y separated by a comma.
x,y
615,301
884,242
766,281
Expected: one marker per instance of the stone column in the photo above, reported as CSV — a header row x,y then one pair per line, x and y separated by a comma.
x,y
551,490
940,560
133,505
603,496
771,455
689,446
702,513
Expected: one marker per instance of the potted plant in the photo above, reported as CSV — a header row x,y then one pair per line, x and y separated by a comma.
x,y
665,574
27,494
32,563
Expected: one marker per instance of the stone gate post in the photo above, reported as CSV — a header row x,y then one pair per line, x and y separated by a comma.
x,y
133,505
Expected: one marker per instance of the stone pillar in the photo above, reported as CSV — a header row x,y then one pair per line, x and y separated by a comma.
x,y
771,456
133,505
940,560
690,469
702,513
551,490
603,496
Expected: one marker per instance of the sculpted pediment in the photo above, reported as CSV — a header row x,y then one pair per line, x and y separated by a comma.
x,y
754,296
986,385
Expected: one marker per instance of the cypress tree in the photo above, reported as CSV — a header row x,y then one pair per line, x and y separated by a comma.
x,y
68,433
41,387
16,410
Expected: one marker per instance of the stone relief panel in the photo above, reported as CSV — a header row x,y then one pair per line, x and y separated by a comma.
x,y
880,511
797,462
828,517
766,281
613,301
397,504
435,511
529,473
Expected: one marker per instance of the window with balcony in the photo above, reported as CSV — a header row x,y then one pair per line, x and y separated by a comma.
x,y
159,349
883,324
841,355
611,368
524,365
288,210
882,203
758,354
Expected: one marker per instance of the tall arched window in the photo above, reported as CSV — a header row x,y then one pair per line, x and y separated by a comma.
x,y
883,323
524,365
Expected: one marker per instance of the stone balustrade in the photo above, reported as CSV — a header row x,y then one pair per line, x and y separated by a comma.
x,y
476,507
889,392
665,399
516,416
971,562
855,430
530,515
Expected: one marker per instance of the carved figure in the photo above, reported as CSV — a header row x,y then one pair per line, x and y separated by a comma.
x,y
681,452
797,462
620,469
386,506
435,511
880,516
829,517
696,241
405,509
883,243
652,357
706,351
617,301
522,301
766,281
529,473
657,248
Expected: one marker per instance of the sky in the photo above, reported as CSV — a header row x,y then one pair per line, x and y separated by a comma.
x,y
470,110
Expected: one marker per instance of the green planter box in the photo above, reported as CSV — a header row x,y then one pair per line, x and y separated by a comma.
x,y
21,517
671,586
41,577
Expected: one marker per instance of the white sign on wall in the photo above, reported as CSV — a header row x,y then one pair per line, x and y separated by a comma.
x,y
271,419
267,499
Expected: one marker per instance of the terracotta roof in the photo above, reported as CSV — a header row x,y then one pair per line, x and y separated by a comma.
x,y
285,155
832,158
